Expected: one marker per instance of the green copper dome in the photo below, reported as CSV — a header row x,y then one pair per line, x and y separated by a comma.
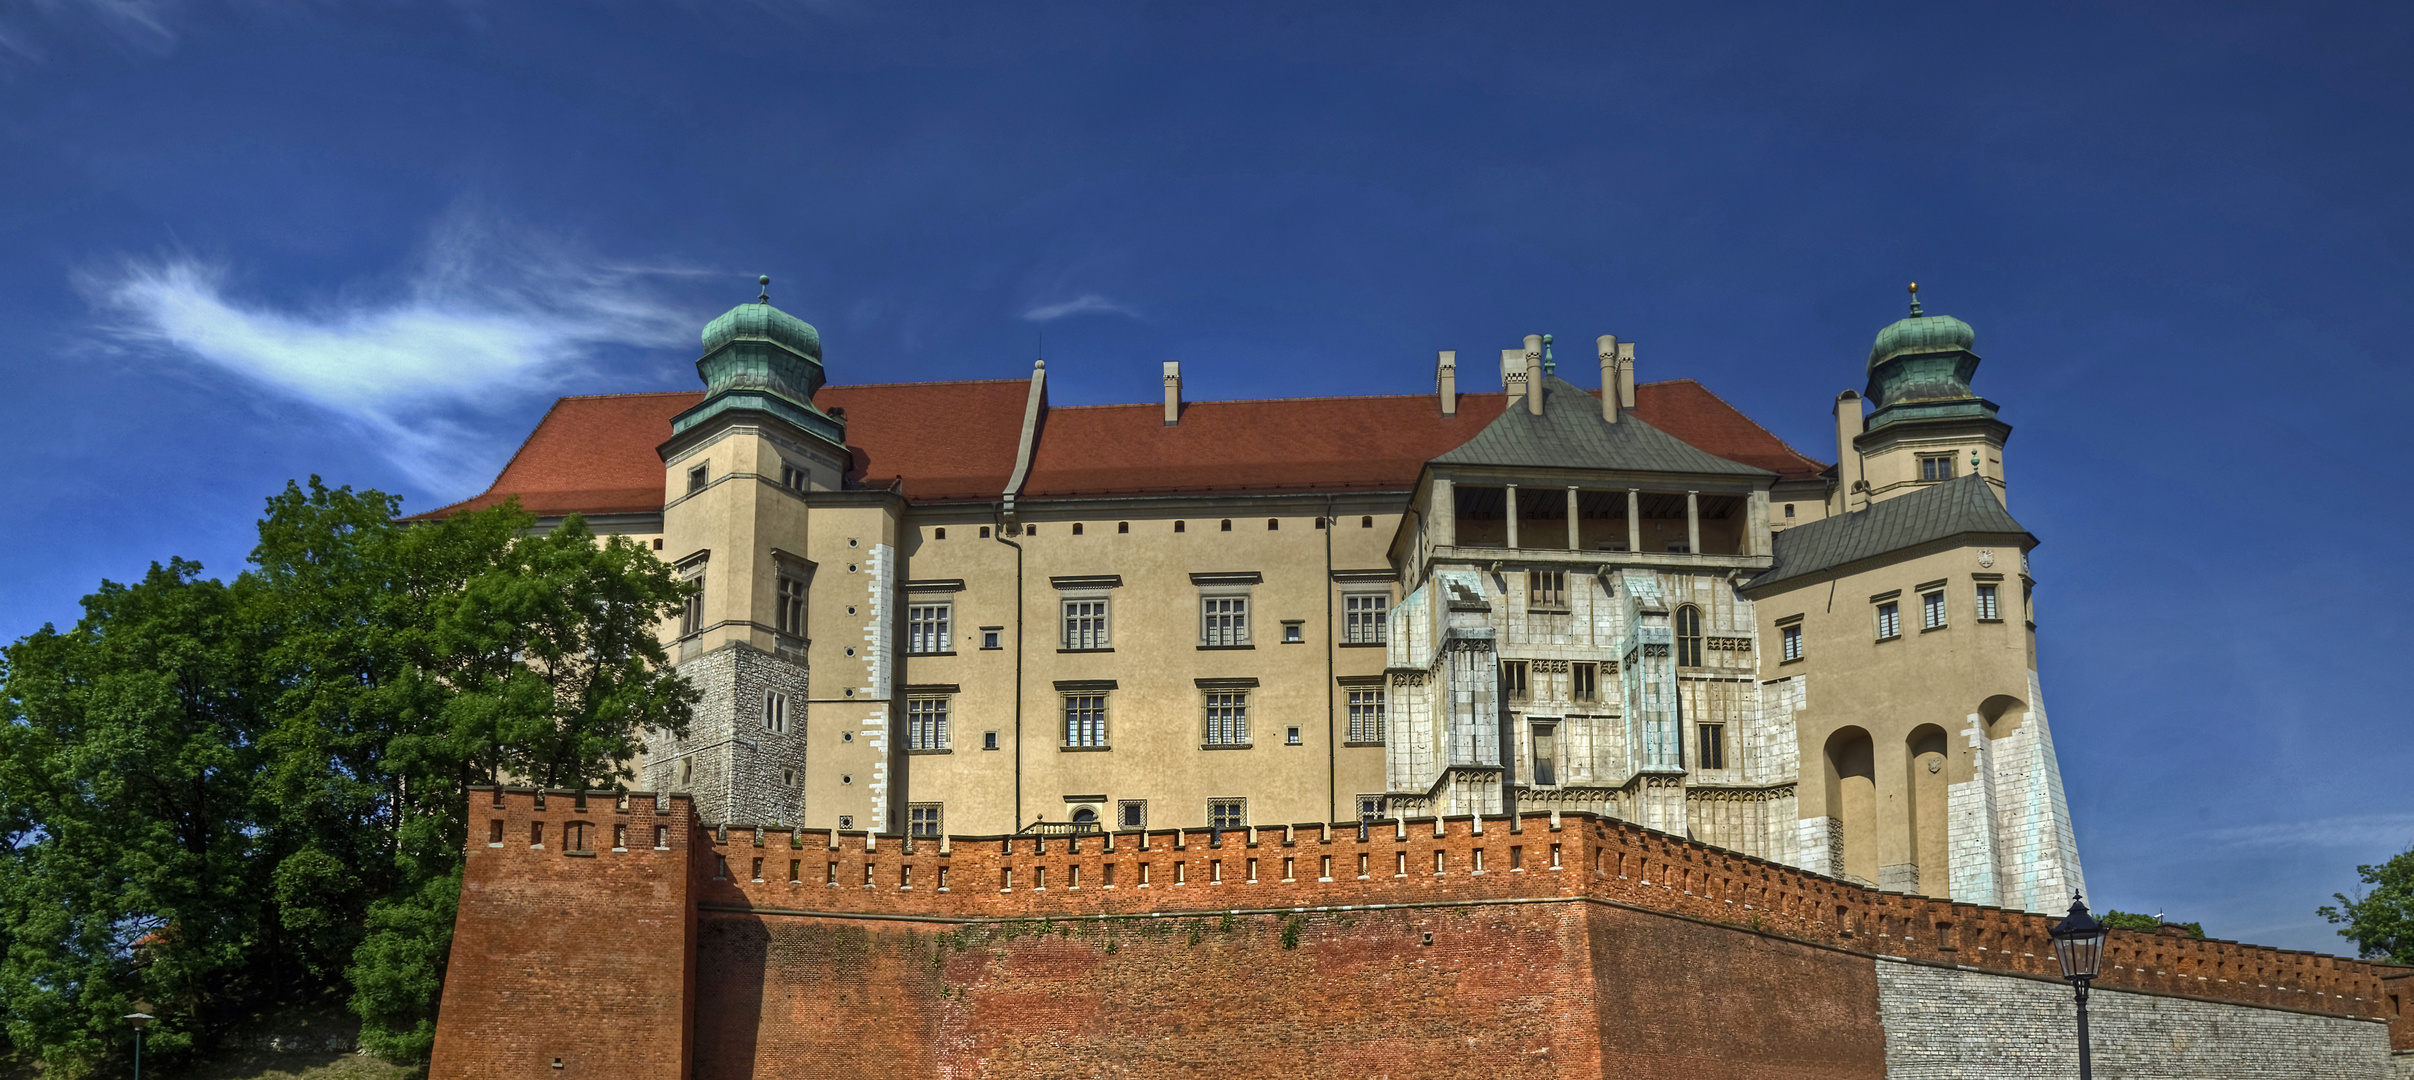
x,y
1922,333
762,322
1920,369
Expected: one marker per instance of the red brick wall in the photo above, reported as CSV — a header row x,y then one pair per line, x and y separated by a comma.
x,y
557,954
1589,947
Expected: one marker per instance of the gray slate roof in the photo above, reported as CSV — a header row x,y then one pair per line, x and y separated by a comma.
x,y
1570,434
1957,506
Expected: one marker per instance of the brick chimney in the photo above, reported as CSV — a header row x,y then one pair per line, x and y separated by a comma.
x,y
1445,381
1607,346
1173,392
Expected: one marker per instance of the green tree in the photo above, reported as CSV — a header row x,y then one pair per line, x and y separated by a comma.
x,y
2380,916
134,866
224,796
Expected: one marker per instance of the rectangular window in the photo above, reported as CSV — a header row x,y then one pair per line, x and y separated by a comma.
x,y
1546,588
1370,807
1085,624
926,723
989,740
1546,754
1936,467
1227,719
1513,679
788,610
1713,746
922,820
1987,611
1366,618
791,476
697,477
1224,620
620,838
1793,642
691,610
1584,681
1085,720
1366,716
926,629
1132,814
993,637
1890,620
775,712
1931,610
1227,813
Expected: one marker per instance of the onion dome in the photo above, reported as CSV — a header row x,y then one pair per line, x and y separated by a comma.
x,y
760,358
1920,369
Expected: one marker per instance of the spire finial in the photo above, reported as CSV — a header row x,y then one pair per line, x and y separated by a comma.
x,y
1548,365
1915,299
765,282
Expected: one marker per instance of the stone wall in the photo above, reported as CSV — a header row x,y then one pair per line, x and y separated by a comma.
x,y
730,764
1949,1024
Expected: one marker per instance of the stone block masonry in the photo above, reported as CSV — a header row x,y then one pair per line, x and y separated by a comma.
x,y
1545,946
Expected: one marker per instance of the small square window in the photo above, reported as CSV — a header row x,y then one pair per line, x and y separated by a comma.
x,y
1132,814
1546,588
989,740
1370,807
846,821
923,820
788,777
1291,735
1291,632
697,477
1789,511
993,637
1227,813
1936,466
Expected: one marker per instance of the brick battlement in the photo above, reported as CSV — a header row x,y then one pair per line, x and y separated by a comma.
x,y
1541,857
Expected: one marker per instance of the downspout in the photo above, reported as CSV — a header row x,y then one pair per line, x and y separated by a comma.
x,y
1332,745
1035,407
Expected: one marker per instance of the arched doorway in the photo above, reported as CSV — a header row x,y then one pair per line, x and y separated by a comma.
x,y
1930,841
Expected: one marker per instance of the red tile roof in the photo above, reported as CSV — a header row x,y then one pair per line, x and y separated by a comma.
x,y
956,441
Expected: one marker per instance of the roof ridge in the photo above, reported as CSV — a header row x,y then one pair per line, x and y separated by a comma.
x,y
1747,418
529,438
932,382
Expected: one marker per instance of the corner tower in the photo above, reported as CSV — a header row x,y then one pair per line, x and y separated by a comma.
x,y
742,471
1927,425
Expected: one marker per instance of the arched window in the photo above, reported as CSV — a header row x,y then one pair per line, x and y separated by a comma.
x,y
1367,522
1085,816
1123,526
1273,524
939,534
1227,524
1688,636
1076,528
1177,526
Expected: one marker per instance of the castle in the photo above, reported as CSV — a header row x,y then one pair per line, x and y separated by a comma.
x,y
1547,732
953,607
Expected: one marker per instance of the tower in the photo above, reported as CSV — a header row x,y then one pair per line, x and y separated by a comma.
x,y
739,470
1926,425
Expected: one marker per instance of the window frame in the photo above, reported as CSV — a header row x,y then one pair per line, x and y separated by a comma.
x,y
691,609
788,593
1930,465
1584,680
1097,735
1232,724
1890,619
1365,618
1234,631
1365,708
1710,745
1239,809
1688,639
1102,640
1546,590
915,636
1124,813
1989,601
775,712
1932,611
1537,732
937,814
1516,680
929,729
699,477
1789,639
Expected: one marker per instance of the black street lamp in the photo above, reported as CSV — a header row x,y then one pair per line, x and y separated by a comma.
x,y
140,1020
2079,944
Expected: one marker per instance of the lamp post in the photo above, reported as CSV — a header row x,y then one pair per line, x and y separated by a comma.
x,y
140,1020
2079,944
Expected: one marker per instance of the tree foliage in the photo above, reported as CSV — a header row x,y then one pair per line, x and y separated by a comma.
x,y
2379,918
2151,924
220,796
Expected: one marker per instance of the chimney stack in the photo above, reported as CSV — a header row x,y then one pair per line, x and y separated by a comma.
x,y
1607,346
1445,380
1626,375
1513,376
1851,493
1173,392
1533,365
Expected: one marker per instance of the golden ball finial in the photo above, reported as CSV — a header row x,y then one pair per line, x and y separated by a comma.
x,y
1915,288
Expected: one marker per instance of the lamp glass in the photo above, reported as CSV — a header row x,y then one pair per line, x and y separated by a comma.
x,y
2079,943
139,1020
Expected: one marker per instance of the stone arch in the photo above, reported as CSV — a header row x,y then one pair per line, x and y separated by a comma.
x,y
1852,804
1928,760
2003,714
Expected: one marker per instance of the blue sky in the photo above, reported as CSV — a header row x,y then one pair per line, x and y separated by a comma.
x,y
241,242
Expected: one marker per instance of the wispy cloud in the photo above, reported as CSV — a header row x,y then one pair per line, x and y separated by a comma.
x,y
2393,831
482,320
1085,304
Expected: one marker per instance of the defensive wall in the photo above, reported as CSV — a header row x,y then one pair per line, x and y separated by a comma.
x,y
1543,945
